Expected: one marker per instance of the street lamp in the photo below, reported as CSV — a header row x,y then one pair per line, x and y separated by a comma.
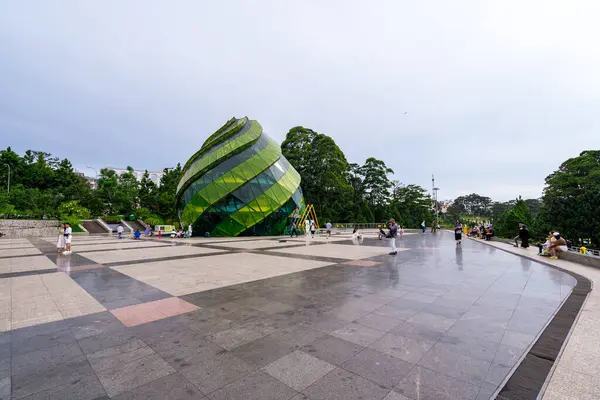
x,y
8,177
96,178
435,191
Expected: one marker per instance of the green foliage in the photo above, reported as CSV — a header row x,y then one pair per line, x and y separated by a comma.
x,y
508,223
411,205
72,212
572,197
112,219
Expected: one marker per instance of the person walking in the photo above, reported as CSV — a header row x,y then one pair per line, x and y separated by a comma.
x,y
294,230
147,231
313,228
458,231
68,235
423,227
120,231
328,229
60,243
523,236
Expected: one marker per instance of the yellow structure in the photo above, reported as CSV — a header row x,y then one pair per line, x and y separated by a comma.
x,y
583,250
310,214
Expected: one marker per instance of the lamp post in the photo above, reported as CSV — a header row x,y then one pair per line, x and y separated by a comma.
x,y
96,178
8,177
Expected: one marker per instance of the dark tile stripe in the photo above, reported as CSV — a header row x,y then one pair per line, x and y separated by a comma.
x,y
27,273
182,257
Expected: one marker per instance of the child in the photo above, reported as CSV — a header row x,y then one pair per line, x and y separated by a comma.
x,y
137,234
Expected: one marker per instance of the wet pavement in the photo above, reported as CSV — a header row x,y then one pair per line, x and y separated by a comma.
x,y
262,318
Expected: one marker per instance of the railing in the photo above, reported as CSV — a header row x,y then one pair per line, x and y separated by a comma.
x,y
351,226
588,252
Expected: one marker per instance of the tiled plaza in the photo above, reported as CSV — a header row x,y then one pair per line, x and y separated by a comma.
x,y
268,318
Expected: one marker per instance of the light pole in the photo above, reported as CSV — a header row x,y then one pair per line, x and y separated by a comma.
x,y
8,177
435,199
96,178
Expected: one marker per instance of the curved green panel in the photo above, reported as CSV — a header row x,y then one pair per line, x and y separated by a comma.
x,y
270,201
238,183
212,157
232,180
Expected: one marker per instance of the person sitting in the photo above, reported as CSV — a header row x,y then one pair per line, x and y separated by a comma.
x,y
544,248
489,233
559,245
137,234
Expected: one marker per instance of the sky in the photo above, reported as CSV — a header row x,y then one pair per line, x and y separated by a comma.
x,y
491,96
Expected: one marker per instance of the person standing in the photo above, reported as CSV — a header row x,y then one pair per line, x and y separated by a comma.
x,y
423,227
328,229
313,228
68,234
458,231
120,231
294,230
147,231
60,243
523,236
391,235
190,231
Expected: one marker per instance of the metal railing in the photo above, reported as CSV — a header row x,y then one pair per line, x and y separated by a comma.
x,y
588,252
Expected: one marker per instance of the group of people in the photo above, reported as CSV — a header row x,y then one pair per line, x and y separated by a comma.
x,y
553,245
309,228
63,244
483,231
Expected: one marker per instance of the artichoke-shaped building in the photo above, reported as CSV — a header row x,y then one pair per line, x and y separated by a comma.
x,y
238,183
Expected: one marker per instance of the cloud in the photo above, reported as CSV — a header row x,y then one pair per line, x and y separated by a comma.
x,y
497,94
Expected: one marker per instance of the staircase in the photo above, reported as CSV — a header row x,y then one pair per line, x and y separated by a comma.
x,y
93,227
137,225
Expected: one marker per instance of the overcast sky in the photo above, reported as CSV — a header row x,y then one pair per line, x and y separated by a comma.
x,y
497,93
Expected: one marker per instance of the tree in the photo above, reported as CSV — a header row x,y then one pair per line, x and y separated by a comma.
x,y
166,201
508,223
572,196
148,192
323,169
376,186
72,212
410,205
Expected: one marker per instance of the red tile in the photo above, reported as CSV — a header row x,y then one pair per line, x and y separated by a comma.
x,y
362,263
172,306
137,314
152,311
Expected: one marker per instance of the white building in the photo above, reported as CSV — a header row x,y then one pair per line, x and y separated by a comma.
x,y
139,174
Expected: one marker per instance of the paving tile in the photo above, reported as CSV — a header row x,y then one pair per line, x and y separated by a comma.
x,y
420,297
49,357
378,367
358,334
5,388
418,332
263,351
422,383
378,322
106,340
395,396
395,312
256,386
446,361
332,349
172,387
326,324
477,348
137,314
158,331
508,355
298,370
132,374
112,361
297,335
497,373
203,323
517,339
340,384
362,263
185,351
401,347
22,344
64,374
435,322
235,337
88,387
213,373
